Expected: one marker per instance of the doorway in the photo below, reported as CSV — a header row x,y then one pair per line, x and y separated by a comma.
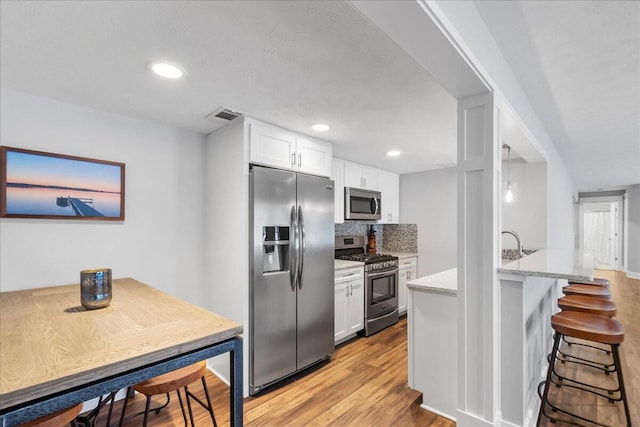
x,y
601,234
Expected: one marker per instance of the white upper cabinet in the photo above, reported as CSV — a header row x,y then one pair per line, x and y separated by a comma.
x,y
360,176
337,175
272,146
314,157
390,189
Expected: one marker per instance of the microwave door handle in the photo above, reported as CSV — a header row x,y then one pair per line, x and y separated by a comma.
x,y
374,202
303,246
293,249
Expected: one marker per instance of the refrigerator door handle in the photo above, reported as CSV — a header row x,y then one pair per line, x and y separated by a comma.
x,y
293,249
302,239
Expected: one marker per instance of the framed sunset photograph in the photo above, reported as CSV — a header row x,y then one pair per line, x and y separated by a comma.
x,y
35,184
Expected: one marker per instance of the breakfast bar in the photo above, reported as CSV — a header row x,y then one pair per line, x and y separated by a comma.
x,y
56,354
528,290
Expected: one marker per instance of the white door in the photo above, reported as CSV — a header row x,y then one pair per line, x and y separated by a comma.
x,y
615,236
314,157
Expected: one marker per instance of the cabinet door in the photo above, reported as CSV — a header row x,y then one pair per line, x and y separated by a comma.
x,y
360,176
402,290
337,175
371,179
314,157
356,306
353,175
272,146
390,189
407,272
341,311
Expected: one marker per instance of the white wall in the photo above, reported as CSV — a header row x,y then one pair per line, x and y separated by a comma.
x,y
429,199
527,214
159,243
633,232
227,233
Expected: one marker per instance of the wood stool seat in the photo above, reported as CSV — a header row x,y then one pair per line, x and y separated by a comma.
x,y
595,282
594,291
174,381
56,419
587,304
590,327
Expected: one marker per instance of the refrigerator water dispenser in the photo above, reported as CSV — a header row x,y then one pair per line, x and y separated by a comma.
x,y
275,248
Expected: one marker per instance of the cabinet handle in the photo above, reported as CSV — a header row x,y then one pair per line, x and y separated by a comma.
x,y
293,159
299,160
365,182
350,289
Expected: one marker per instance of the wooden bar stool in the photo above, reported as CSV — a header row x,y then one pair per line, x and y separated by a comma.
x,y
174,381
592,305
588,304
588,290
57,419
590,327
595,282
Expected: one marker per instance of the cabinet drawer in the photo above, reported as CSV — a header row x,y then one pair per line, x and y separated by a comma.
x,y
349,274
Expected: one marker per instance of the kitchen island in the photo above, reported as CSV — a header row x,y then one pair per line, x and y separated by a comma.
x,y
432,340
528,292
528,289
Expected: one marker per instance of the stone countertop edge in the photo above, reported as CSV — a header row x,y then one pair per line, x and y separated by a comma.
x,y
570,264
444,282
401,255
340,264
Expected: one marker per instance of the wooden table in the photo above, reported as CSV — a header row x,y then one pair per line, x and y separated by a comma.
x,y
55,354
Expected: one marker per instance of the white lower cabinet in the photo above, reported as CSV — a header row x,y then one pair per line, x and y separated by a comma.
x,y
407,270
349,302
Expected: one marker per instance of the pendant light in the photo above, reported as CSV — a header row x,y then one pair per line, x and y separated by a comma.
x,y
508,195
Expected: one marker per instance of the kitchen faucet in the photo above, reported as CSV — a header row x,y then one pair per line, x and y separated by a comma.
x,y
514,234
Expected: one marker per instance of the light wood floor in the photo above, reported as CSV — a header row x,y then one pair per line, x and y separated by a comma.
x,y
365,385
626,294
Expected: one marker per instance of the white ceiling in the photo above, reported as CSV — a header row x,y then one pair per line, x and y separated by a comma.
x,y
579,64
288,63
298,63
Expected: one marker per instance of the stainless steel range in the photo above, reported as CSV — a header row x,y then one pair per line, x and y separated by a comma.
x,y
380,280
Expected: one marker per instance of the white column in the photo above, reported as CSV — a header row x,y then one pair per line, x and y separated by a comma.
x,y
478,189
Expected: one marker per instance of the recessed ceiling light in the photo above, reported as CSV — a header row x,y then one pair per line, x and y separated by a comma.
x,y
320,127
168,71
393,153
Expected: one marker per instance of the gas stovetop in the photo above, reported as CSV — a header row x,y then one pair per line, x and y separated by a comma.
x,y
368,258
352,248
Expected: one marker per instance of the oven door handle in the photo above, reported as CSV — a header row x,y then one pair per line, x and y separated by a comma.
x,y
385,272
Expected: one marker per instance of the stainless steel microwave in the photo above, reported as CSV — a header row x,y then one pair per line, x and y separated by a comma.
x,y
362,204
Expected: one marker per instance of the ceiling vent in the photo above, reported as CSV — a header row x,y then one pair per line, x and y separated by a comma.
x,y
224,113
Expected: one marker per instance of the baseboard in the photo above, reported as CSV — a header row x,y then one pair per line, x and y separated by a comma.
x,y
220,376
633,275
435,411
469,420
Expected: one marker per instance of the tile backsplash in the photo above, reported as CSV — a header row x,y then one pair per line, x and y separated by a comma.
x,y
389,237
401,238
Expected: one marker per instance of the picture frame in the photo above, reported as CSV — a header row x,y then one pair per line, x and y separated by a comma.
x,y
37,184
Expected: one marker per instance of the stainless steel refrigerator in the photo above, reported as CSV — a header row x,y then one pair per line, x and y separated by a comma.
x,y
291,290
